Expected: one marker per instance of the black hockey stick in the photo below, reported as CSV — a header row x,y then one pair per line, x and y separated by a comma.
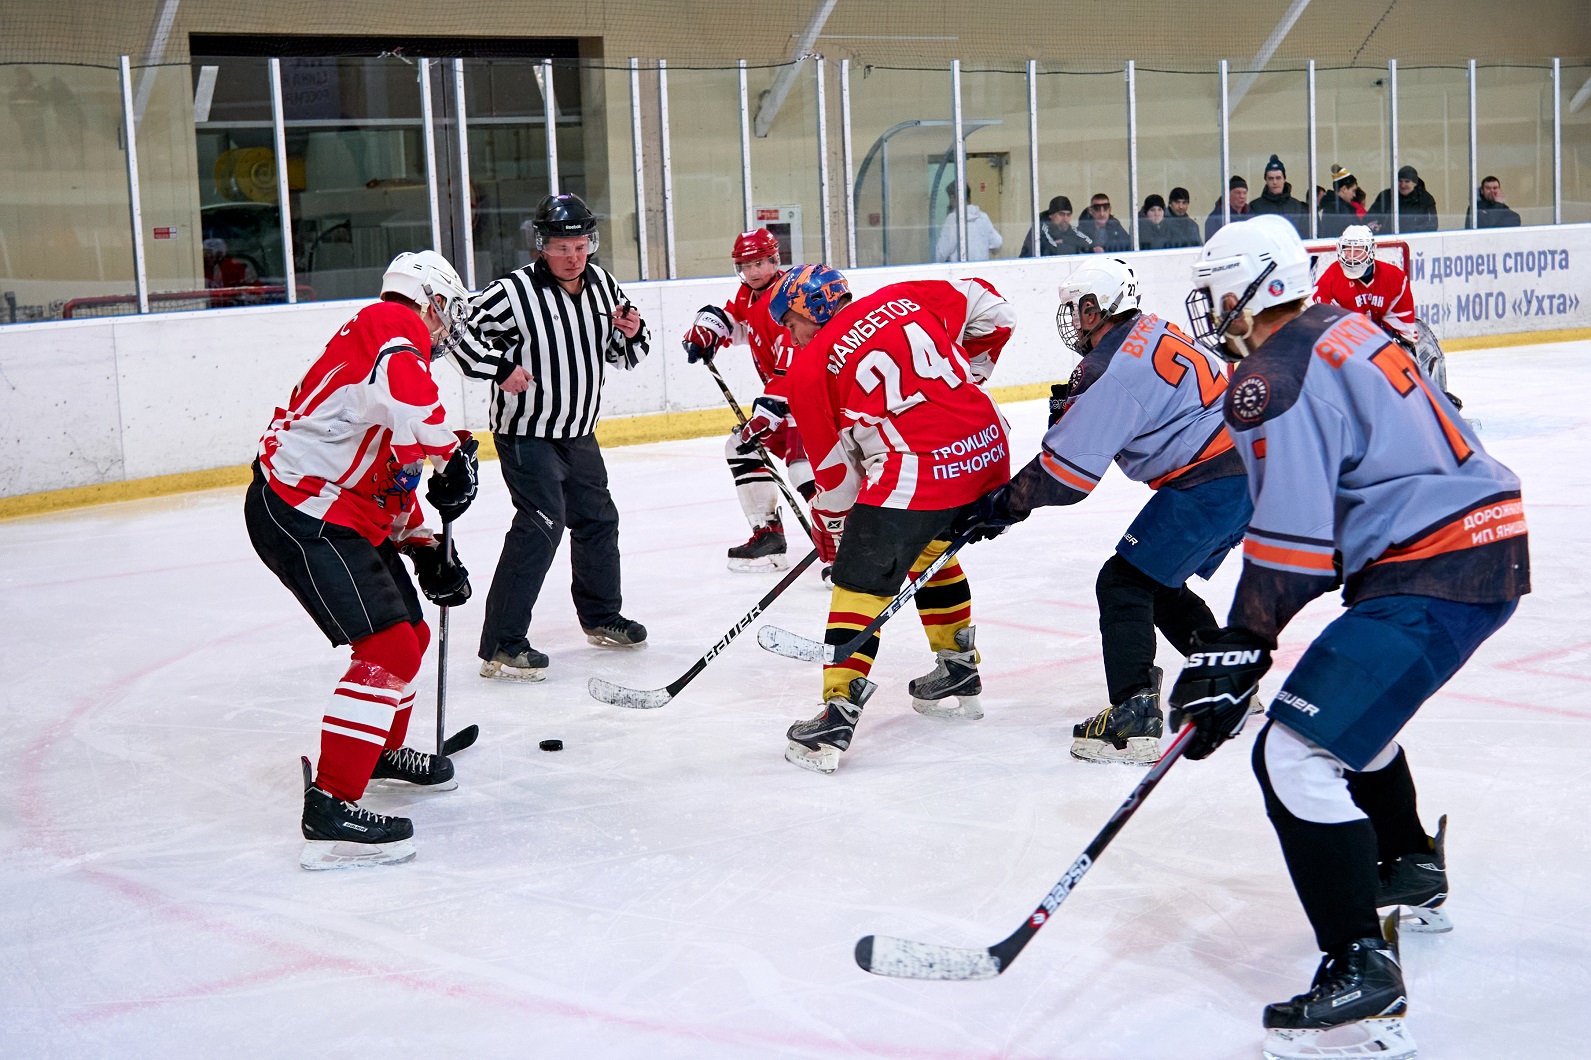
x,y
645,699
904,959
794,646
761,451
447,745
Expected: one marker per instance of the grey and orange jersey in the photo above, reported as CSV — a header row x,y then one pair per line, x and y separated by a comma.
x,y
1146,399
1360,468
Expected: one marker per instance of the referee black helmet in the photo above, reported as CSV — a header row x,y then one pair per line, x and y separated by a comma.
x,y
563,217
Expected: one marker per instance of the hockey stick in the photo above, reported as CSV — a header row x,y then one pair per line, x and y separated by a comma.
x,y
794,646
761,451
646,699
447,745
904,959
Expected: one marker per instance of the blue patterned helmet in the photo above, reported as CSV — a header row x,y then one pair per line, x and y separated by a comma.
x,y
814,291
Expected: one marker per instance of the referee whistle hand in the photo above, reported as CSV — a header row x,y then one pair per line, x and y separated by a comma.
x,y
518,381
628,320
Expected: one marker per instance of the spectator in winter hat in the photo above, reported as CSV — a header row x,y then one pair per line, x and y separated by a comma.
x,y
1278,198
1416,206
1237,193
1154,232
1183,230
1056,234
1338,210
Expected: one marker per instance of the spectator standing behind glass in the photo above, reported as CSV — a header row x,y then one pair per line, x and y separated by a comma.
x,y
982,239
1338,211
1184,230
1154,231
1416,206
1056,234
1278,198
1098,225
1494,212
1237,192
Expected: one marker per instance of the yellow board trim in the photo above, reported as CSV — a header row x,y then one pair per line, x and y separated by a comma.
x,y
624,430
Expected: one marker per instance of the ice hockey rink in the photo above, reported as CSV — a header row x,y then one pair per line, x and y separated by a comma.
x,y
669,886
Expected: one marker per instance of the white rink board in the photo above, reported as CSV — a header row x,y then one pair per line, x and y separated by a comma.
x,y
668,886
129,397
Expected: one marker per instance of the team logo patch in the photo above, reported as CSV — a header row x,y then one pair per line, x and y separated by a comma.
x,y
1276,287
1250,397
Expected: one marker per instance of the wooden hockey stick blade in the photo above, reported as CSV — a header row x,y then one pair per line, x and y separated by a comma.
x,y
903,959
793,645
619,696
465,737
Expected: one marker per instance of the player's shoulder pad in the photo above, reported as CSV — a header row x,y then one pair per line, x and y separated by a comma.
x,y
1097,361
1267,382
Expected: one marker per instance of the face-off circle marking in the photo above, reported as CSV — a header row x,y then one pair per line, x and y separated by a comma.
x,y
1250,397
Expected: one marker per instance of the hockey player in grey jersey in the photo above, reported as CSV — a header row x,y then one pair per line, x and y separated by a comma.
x,y
1363,474
1146,399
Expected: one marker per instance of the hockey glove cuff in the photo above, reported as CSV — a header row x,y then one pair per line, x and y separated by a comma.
x,y
827,528
1217,683
987,517
767,415
442,578
708,333
453,488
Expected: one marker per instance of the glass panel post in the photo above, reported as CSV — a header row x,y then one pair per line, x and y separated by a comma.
x,y
549,117
1033,155
1392,131
1474,155
1132,151
466,219
745,150
1226,153
824,226
1313,161
284,207
846,161
668,174
1557,142
428,144
644,269
960,197
140,268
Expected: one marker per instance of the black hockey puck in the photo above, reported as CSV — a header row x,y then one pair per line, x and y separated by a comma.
x,y
551,745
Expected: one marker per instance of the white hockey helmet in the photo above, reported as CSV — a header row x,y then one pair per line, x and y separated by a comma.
x,y
426,278
1356,250
1108,285
1261,262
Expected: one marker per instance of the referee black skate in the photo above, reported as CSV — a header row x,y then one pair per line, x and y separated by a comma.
x,y
544,335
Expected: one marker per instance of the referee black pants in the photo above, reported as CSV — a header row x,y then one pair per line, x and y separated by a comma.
x,y
554,482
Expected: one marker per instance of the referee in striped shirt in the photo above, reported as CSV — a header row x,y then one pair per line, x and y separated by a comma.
x,y
543,335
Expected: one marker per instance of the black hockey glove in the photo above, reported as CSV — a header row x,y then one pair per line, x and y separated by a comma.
x,y
443,579
1058,395
453,488
1217,682
987,517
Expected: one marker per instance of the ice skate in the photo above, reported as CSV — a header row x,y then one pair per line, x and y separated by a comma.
x,y
620,632
527,665
408,770
763,551
1354,1008
343,835
1417,885
816,744
953,688
1127,732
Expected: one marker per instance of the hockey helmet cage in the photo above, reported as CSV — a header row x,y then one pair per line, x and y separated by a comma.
x,y
816,292
1356,251
427,278
754,246
1108,285
1261,262
563,217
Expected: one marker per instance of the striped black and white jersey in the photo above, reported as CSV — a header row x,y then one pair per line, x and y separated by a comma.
x,y
564,341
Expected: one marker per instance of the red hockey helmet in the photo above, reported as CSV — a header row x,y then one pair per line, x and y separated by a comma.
x,y
754,246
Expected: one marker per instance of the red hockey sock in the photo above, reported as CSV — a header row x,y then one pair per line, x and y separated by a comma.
x,y
363,708
400,720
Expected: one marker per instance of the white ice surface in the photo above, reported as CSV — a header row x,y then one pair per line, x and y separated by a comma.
x,y
669,886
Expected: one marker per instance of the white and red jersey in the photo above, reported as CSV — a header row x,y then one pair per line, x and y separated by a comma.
x,y
1385,298
366,408
888,405
771,347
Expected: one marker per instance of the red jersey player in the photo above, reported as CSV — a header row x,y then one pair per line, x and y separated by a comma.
x,y
744,318
902,436
331,506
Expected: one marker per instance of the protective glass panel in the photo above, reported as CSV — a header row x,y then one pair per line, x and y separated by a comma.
x,y
704,150
784,162
1269,117
1353,133
1083,152
1178,147
1513,109
901,132
995,118
1433,137
1575,108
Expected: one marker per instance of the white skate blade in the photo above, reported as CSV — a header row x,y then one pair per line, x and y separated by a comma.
x,y
1140,751
793,645
967,707
602,640
761,564
826,759
1382,1039
619,696
1423,921
904,959
394,786
335,854
501,672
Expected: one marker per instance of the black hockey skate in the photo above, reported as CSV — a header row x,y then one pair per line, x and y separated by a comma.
x,y
1355,1007
620,632
764,550
1127,732
340,835
1417,884
525,665
953,688
816,744
407,768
